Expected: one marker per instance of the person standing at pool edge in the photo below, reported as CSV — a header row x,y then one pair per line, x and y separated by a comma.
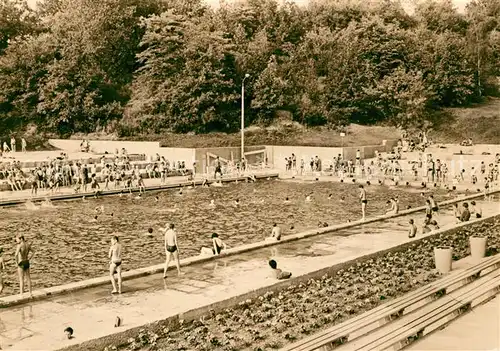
x,y
171,249
364,201
23,262
115,264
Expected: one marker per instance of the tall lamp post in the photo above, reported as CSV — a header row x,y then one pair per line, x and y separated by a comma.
x,y
243,116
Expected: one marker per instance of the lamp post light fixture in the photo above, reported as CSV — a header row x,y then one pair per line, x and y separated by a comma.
x,y
243,116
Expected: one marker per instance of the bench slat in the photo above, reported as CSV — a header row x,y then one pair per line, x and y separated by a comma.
x,y
483,293
422,317
376,315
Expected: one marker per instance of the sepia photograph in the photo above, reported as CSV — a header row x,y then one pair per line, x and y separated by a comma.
x,y
249,175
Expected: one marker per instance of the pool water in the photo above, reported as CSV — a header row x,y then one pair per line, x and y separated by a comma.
x,y
71,245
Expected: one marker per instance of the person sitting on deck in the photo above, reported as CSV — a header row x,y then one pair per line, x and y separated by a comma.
x,y
394,206
275,234
476,210
278,273
428,221
465,216
218,247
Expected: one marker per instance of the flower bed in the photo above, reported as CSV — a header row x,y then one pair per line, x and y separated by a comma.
x,y
277,318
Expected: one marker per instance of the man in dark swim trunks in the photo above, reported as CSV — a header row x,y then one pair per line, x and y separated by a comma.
x,y
115,264
218,168
22,258
171,249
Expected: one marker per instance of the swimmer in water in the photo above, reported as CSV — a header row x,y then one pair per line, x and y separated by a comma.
x,y
287,201
180,192
157,199
47,203
22,258
138,197
236,203
171,249
342,199
330,196
115,264
30,205
212,203
308,198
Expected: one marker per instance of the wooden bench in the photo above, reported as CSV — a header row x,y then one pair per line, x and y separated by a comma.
x,y
393,309
431,317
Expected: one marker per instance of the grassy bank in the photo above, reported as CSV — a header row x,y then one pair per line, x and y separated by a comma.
x,y
481,123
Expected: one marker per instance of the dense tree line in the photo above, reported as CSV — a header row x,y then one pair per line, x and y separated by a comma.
x,y
149,65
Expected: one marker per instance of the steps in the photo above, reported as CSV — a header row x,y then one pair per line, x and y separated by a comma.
x,y
397,323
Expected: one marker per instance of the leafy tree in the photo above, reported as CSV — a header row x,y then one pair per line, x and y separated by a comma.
x,y
402,98
484,41
96,43
178,65
188,72
17,20
22,68
440,16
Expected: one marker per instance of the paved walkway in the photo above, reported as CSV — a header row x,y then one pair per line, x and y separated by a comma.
x,y
91,312
476,330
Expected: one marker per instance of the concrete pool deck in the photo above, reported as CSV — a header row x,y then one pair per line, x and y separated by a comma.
x,y
44,293
478,330
91,312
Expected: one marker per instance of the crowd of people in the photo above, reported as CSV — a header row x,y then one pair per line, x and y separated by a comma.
x,y
425,169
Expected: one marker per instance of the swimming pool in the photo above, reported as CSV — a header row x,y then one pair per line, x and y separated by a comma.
x,y
71,245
